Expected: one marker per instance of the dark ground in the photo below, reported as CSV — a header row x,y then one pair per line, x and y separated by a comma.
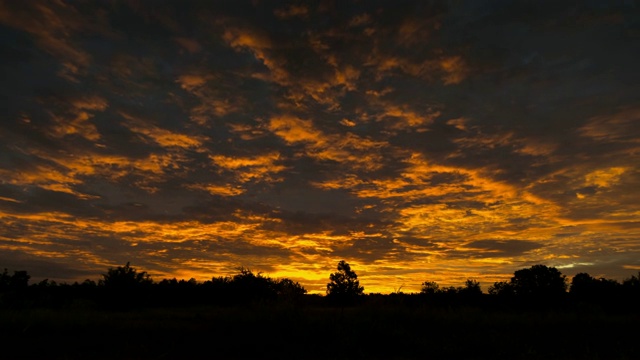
x,y
285,332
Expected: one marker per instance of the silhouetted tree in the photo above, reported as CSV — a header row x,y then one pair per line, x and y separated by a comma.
x,y
19,280
586,289
471,289
631,290
582,284
125,287
87,284
289,289
344,287
501,288
46,283
632,283
249,287
125,278
539,281
13,288
429,288
217,290
538,285
5,280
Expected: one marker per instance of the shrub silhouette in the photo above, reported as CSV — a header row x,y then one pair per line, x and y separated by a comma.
x,y
469,294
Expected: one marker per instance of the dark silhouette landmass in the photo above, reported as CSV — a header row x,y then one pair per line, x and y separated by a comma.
x,y
537,314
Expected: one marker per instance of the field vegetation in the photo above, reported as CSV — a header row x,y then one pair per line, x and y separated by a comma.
x,y
127,315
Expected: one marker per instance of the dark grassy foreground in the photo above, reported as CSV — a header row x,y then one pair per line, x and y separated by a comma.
x,y
310,332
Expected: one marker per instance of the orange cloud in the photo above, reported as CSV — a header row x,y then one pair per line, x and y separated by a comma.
x,y
343,148
407,119
167,138
604,177
214,102
191,82
454,70
219,190
51,23
254,168
259,45
293,130
292,11
76,120
617,127
162,137
65,172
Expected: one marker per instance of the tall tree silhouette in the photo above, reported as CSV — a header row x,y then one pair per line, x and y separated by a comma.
x,y
344,287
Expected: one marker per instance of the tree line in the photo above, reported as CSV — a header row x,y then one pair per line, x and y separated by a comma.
x,y
125,287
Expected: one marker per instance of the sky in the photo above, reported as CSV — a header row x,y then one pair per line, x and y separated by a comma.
x,y
416,140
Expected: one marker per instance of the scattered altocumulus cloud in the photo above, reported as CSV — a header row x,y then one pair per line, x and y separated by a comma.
x,y
418,141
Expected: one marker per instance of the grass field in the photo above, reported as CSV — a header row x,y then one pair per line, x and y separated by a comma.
x,y
280,332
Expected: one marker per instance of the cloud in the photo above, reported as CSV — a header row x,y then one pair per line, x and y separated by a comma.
x,y
191,45
342,148
502,248
604,178
162,137
419,141
292,11
257,168
617,127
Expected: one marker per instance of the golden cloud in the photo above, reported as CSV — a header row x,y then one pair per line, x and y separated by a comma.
x,y
76,119
191,82
604,177
51,24
254,168
292,11
213,102
343,148
292,130
617,127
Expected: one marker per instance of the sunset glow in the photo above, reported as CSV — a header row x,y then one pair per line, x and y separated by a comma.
x,y
419,141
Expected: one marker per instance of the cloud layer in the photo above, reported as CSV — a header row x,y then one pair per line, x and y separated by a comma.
x,y
418,141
